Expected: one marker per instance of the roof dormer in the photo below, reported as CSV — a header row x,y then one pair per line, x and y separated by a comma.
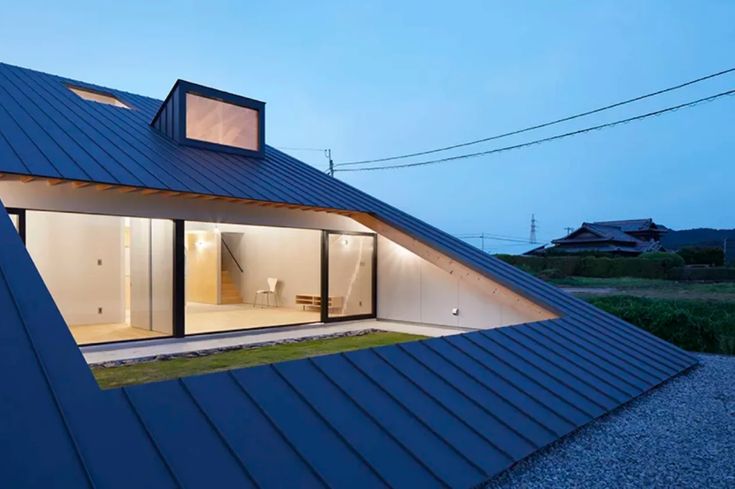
x,y
207,118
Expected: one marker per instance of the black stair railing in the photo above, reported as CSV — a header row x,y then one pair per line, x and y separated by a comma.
x,y
224,242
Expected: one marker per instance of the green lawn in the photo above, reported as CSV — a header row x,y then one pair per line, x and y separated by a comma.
x,y
139,373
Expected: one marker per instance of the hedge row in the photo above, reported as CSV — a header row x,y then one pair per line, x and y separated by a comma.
x,y
649,265
701,255
690,324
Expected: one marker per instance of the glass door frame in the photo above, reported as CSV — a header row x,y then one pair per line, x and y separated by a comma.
x,y
21,215
325,278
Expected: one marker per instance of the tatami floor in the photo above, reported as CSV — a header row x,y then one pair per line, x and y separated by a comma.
x,y
200,318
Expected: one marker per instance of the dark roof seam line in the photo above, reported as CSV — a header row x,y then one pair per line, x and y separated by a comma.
x,y
510,403
379,424
279,430
324,420
218,432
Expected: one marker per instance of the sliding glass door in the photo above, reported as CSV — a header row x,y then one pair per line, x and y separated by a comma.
x,y
349,288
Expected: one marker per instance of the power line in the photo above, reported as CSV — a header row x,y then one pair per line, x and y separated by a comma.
x,y
300,149
492,238
327,154
545,140
481,236
542,125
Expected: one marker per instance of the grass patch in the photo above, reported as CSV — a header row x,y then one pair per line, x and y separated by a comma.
x,y
694,325
140,373
617,282
652,288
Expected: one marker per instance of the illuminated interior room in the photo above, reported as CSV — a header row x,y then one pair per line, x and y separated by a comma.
x,y
110,276
228,269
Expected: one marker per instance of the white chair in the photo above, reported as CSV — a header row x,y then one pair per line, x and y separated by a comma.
x,y
270,291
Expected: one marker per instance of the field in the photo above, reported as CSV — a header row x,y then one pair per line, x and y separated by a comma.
x,y
652,288
140,373
694,316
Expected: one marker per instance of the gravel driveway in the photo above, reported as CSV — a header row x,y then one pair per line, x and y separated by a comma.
x,y
681,435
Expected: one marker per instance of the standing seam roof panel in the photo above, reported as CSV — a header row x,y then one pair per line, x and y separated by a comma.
x,y
379,450
59,134
455,411
115,154
523,413
505,423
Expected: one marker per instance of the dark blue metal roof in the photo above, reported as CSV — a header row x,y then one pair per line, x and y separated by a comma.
x,y
450,412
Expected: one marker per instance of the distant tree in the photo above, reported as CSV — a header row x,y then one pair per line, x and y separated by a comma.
x,y
702,255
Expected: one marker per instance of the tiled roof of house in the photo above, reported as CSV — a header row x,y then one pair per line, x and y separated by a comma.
x,y
632,225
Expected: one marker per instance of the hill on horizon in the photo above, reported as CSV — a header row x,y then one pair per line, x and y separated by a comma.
x,y
709,237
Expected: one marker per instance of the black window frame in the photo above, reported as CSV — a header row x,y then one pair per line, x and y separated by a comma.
x,y
21,214
178,303
185,88
373,314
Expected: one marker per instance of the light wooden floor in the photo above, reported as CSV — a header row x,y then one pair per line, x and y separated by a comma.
x,y
205,318
101,333
200,318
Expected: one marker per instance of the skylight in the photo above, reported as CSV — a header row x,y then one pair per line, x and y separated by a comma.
x,y
99,97
218,122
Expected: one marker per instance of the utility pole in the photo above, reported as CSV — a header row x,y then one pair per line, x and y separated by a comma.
x,y
568,230
328,154
532,237
482,240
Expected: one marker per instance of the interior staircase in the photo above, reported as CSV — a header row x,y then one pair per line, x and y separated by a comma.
x,y
229,292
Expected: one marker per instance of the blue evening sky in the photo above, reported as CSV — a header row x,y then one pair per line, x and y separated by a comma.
x,y
372,79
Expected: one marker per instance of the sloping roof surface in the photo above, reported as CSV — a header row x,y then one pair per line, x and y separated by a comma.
x,y
447,412
633,225
601,233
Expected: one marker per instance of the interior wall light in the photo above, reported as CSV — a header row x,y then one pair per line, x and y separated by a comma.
x,y
201,244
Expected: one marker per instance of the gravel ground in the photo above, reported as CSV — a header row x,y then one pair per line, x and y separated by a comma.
x,y
680,435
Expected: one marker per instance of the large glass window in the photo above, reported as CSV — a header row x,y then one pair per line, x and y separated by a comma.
x,y
240,277
111,277
351,275
219,122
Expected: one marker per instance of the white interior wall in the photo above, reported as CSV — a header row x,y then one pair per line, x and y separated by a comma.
x,y
293,256
413,289
66,249
140,276
162,274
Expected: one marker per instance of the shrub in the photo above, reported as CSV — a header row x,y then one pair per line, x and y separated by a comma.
x,y
649,265
701,255
720,274
668,260
550,273
692,325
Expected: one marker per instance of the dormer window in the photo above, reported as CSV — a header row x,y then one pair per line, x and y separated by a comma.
x,y
222,123
99,97
211,119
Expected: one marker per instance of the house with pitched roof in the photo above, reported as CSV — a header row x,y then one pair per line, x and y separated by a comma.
x,y
126,218
627,238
